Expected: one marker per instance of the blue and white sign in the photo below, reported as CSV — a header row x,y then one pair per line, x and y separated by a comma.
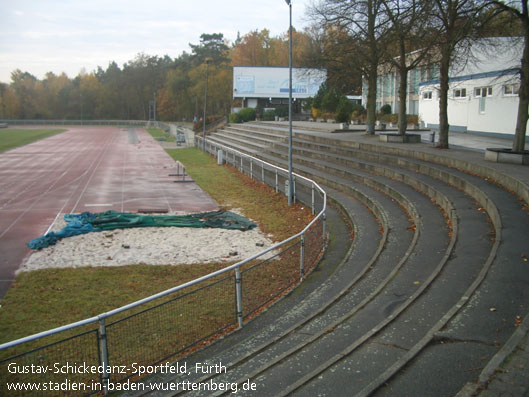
x,y
272,82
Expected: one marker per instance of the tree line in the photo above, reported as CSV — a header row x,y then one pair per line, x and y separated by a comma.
x,y
349,38
176,85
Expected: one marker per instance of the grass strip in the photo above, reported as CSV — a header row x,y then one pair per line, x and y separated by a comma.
x,y
232,190
11,137
159,134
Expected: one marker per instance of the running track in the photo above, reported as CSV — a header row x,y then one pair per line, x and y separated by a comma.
x,y
84,169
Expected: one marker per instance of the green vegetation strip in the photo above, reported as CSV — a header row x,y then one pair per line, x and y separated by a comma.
x,y
159,134
44,299
11,138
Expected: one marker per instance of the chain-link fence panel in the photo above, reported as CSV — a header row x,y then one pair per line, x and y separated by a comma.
x,y
167,329
265,281
69,367
314,244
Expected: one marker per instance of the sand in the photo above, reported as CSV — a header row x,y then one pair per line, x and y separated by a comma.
x,y
149,246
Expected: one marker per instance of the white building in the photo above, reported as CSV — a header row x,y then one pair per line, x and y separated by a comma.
x,y
483,94
388,81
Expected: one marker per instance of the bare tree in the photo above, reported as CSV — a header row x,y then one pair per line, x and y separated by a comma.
x,y
334,51
367,24
455,22
519,9
413,38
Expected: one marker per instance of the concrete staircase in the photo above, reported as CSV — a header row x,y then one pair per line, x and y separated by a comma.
x,y
416,304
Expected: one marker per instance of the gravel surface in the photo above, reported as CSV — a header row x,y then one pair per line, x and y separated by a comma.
x,y
150,246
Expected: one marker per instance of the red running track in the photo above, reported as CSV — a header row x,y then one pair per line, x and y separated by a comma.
x,y
84,169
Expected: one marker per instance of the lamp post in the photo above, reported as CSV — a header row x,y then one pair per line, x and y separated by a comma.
x,y
205,106
154,108
290,184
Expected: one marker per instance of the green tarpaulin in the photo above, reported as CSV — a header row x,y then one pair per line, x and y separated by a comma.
x,y
88,222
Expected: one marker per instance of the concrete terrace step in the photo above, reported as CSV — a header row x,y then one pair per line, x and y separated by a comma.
x,y
477,212
510,251
282,349
268,159
261,331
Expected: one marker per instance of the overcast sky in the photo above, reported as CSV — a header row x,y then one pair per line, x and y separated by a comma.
x,y
40,36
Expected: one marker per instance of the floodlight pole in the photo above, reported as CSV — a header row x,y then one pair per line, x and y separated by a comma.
x,y
290,182
205,105
154,107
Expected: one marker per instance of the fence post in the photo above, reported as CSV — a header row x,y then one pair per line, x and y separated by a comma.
x,y
324,226
302,258
251,169
104,353
277,182
262,172
294,188
313,206
238,294
242,169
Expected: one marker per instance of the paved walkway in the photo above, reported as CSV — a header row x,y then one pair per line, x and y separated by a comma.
x,y
508,373
462,145
464,140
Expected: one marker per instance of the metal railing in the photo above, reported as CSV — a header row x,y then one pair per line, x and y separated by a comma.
x,y
122,343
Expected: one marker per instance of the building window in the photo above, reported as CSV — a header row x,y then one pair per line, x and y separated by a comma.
x,y
511,89
427,95
424,75
482,92
415,80
460,93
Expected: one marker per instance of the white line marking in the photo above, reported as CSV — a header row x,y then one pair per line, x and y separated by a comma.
x,y
33,204
53,223
93,170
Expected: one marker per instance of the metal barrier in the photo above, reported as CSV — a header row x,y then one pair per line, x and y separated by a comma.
x,y
95,354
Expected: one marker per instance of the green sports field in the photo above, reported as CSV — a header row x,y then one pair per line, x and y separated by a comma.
x,y
11,138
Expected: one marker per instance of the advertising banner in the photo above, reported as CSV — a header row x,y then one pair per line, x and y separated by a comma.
x,y
272,82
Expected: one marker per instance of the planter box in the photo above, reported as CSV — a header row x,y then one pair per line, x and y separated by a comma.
x,y
396,138
499,155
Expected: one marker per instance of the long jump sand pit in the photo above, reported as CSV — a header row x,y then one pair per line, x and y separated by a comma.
x,y
86,169
149,246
